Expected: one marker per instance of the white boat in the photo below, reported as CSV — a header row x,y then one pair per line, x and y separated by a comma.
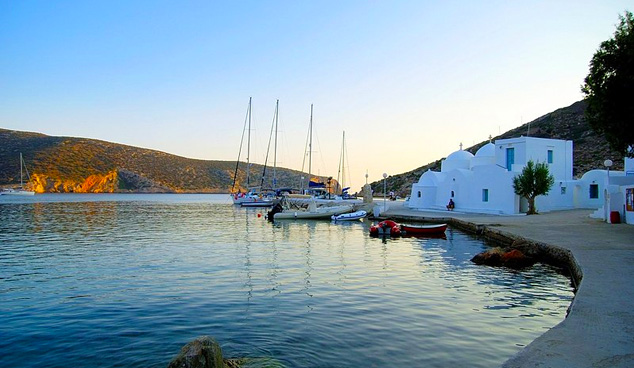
x,y
19,191
240,198
313,212
341,172
250,196
266,202
351,216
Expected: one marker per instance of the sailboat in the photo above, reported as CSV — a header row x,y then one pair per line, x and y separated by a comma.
x,y
316,189
268,202
250,195
20,190
341,173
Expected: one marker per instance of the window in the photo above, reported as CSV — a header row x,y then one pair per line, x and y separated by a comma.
x,y
594,191
563,190
485,195
452,194
510,158
550,156
419,194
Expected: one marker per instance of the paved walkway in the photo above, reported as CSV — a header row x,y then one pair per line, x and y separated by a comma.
x,y
599,330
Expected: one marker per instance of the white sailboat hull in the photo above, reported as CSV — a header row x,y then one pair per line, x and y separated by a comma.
x,y
17,192
319,213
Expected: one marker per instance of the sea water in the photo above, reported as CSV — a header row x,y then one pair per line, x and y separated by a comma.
x,y
126,280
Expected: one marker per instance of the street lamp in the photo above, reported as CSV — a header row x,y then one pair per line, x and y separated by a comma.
x,y
384,191
608,163
302,185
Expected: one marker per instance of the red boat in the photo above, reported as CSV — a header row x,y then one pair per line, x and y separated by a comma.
x,y
385,228
424,229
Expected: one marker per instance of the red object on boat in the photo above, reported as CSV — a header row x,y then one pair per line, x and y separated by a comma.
x,y
424,229
387,227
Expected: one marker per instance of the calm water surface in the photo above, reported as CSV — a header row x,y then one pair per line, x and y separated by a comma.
x,y
126,280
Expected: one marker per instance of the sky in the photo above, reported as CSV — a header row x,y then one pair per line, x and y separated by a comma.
x,y
408,81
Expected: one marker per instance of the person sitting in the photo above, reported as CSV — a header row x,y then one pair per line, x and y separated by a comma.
x,y
451,205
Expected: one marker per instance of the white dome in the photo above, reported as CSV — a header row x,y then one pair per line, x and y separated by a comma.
x,y
460,156
488,150
457,160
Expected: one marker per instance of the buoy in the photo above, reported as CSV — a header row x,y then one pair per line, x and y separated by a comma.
x,y
259,215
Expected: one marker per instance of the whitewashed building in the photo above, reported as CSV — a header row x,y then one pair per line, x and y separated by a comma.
x,y
483,183
616,195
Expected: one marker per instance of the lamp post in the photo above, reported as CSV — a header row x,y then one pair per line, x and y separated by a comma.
x,y
384,191
608,163
302,185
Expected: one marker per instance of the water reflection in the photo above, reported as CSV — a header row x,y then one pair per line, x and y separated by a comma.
x,y
138,272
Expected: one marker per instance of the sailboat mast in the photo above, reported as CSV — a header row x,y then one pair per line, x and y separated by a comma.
x,y
21,184
249,145
310,143
277,115
235,173
342,162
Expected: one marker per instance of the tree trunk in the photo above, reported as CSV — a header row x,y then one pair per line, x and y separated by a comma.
x,y
531,206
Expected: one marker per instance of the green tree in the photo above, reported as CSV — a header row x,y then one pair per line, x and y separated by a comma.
x,y
535,180
609,87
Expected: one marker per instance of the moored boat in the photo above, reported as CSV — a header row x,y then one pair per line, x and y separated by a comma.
x,y
385,228
313,212
259,203
352,216
423,229
240,198
19,191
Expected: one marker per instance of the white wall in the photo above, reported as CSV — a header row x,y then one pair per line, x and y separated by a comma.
x,y
557,199
519,144
468,184
583,199
536,149
629,166
629,215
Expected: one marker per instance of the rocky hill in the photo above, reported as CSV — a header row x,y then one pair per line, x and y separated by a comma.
x,y
65,164
569,123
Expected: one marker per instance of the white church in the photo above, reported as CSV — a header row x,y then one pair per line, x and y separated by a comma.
x,y
484,183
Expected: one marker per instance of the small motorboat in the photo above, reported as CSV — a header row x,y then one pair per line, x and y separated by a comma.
x,y
436,229
349,216
385,228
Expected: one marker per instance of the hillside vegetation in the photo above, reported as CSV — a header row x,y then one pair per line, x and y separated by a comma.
x,y
65,164
569,123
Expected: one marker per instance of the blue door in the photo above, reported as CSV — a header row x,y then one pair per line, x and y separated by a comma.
x,y
510,158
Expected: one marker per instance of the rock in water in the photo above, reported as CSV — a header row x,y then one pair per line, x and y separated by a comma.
x,y
203,352
490,257
516,259
512,258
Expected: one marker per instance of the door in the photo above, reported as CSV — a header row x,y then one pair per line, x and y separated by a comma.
x,y
510,158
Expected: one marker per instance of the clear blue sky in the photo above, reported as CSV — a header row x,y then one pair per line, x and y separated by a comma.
x,y
408,80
